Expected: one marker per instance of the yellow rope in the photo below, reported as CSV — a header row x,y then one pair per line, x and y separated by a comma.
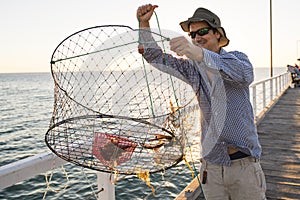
x,y
145,176
189,166
48,182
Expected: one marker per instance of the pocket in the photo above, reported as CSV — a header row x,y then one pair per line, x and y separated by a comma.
x,y
260,177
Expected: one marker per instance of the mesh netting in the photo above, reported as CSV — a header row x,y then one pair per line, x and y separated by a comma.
x,y
113,111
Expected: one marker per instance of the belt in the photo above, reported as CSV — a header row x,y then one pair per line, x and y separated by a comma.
x,y
238,155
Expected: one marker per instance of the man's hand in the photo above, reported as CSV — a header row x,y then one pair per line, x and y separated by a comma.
x,y
144,14
182,46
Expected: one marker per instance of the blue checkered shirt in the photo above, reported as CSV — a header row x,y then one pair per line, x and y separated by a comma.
x,y
221,82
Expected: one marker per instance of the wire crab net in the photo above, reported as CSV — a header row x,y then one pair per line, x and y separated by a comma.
x,y
113,112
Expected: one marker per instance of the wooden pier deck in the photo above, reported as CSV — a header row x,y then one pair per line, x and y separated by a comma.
x,y
279,134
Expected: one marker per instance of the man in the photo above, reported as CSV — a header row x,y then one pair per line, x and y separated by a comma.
x,y
294,70
230,148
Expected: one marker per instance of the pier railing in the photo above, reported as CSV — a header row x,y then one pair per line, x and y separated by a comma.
x,y
263,95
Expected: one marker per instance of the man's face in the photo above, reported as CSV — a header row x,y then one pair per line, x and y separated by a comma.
x,y
209,41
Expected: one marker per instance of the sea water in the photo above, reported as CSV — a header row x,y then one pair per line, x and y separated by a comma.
x,y
26,105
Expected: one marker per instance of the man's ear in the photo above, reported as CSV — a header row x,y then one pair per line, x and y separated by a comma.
x,y
218,35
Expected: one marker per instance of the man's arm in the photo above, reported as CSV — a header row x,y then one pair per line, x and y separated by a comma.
x,y
233,66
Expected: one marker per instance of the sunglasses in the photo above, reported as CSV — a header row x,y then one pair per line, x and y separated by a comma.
x,y
200,32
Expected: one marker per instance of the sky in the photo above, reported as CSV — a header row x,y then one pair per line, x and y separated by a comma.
x,y
31,29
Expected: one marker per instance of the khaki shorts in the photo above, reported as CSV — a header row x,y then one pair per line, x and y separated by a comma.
x,y
244,179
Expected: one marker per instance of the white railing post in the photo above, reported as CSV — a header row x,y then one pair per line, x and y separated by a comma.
x,y
264,94
254,99
105,186
280,83
276,86
271,89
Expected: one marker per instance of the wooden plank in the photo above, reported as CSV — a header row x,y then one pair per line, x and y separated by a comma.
x,y
192,191
279,135
280,191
